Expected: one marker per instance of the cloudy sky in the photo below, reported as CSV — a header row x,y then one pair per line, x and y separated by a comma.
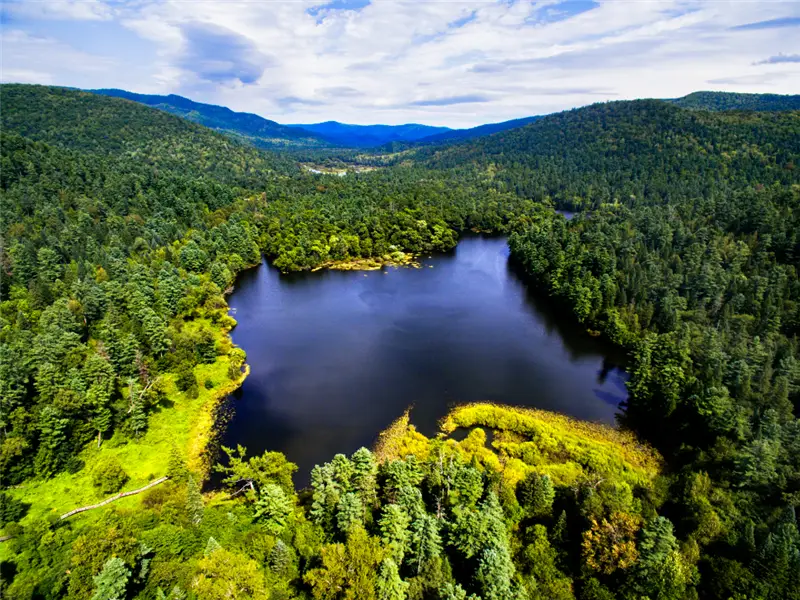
x,y
387,61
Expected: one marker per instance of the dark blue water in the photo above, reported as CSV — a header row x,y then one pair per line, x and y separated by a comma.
x,y
336,356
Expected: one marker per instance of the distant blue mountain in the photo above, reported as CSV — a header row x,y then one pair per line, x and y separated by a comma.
x,y
459,135
256,130
367,136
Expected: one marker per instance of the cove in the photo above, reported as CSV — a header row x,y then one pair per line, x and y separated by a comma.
x,y
336,356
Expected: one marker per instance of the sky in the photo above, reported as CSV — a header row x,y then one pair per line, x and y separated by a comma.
x,y
451,63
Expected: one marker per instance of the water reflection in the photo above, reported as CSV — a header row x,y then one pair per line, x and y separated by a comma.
x,y
336,356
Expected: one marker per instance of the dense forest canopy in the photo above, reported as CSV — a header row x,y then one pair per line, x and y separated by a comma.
x,y
734,101
123,226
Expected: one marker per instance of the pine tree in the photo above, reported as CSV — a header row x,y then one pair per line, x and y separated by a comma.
x,y
280,558
349,512
112,581
389,585
364,473
176,467
325,496
537,494
138,417
426,543
393,524
194,502
495,573
273,508
211,546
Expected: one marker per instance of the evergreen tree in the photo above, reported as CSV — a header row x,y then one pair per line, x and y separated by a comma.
x,y
394,526
111,583
194,501
364,477
349,512
426,543
273,508
537,494
389,585
495,573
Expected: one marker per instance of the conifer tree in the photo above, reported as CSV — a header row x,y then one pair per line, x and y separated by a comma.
x,y
111,583
394,526
389,585
194,501
273,508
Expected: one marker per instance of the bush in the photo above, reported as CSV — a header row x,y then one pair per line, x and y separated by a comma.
x,y
109,477
208,384
11,509
74,464
186,378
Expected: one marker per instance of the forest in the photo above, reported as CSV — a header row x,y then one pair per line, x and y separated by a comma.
x,y
124,227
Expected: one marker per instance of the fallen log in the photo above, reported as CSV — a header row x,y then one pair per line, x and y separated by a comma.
x,y
113,498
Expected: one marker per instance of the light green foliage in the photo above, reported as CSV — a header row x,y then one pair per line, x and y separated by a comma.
x,y
225,575
426,542
348,570
365,470
349,512
389,585
109,476
539,561
194,501
394,523
661,571
274,508
270,467
112,581
495,573
456,592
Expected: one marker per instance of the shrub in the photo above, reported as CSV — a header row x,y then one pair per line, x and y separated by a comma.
x,y
186,378
109,477
11,509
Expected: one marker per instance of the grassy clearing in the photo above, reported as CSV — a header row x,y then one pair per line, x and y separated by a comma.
x,y
527,440
187,424
553,439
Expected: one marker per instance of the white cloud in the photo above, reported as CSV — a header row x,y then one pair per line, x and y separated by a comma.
x,y
452,63
22,61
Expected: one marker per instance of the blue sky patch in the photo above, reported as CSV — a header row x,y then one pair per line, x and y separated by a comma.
x,y
316,11
771,24
779,59
458,23
561,12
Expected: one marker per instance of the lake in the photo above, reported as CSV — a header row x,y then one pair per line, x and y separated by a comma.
x,y
336,356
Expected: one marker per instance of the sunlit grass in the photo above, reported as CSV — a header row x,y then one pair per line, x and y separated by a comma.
x,y
184,423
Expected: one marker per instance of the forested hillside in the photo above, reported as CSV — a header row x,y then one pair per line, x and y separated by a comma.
x,y
734,101
257,130
457,135
623,151
123,226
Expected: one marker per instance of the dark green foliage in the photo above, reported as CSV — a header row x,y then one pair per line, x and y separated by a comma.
x,y
734,101
11,509
536,495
